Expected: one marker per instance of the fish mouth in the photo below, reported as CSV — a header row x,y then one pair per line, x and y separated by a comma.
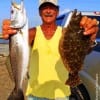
x,y
16,5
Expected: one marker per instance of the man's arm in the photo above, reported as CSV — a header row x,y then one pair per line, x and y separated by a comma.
x,y
32,32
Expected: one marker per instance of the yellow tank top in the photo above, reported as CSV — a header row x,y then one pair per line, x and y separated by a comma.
x,y
47,72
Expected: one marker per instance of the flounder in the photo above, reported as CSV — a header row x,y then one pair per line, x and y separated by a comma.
x,y
73,47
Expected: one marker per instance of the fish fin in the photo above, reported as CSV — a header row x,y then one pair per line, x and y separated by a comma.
x,y
16,95
27,75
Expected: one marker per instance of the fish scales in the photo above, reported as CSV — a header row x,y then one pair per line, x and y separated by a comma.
x,y
73,47
19,49
16,57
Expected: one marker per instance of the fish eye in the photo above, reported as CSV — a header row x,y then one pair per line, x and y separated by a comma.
x,y
12,11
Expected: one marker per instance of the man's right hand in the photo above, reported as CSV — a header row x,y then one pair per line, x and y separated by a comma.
x,y
6,29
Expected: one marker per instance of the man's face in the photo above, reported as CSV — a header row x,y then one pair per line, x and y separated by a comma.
x,y
48,13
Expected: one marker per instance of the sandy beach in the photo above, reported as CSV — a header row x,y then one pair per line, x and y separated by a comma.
x,y
6,85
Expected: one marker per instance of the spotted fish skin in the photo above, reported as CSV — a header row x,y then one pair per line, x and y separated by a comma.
x,y
73,47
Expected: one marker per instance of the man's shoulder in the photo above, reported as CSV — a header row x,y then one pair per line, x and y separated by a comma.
x,y
32,29
32,33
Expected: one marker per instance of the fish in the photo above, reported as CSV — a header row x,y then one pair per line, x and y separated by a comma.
x,y
73,47
18,49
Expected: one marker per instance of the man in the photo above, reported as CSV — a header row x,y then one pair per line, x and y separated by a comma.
x,y
47,74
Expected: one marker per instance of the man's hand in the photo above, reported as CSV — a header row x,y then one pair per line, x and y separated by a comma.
x,y
6,29
90,26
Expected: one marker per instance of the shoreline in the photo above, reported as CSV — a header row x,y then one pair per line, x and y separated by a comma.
x,y
4,49
6,85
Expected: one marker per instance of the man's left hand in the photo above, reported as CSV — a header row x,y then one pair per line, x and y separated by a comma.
x,y
90,26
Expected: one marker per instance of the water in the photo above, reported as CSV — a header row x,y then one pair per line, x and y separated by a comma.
x,y
3,41
4,47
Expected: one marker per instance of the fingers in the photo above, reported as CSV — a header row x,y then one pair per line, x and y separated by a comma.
x,y
90,25
88,22
93,37
83,21
5,36
6,29
92,30
6,22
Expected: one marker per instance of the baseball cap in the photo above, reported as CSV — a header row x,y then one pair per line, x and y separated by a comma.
x,y
53,2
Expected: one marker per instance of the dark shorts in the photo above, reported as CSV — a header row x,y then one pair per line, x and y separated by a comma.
x,y
79,93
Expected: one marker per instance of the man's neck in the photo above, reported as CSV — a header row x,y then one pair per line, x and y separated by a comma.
x,y
48,30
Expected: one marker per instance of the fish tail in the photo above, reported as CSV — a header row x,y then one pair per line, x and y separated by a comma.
x,y
16,95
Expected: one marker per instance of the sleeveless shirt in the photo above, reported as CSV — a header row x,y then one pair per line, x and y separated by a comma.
x,y
47,72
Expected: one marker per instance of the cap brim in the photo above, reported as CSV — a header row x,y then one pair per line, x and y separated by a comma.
x,y
48,3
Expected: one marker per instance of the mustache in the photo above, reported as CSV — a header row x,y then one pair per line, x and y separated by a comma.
x,y
48,15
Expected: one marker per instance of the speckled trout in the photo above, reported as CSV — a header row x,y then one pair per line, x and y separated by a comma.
x,y
19,49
